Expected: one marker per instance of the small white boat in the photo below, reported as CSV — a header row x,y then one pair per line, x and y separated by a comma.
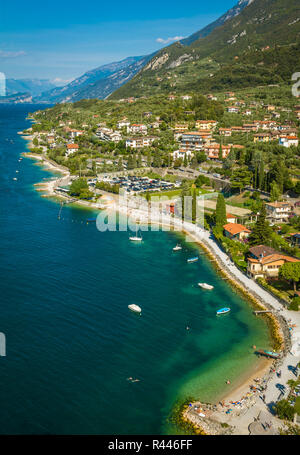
x,y
205,286
15,178
135,308
177,248
135,238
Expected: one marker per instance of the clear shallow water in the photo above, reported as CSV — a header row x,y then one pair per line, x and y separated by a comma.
x,y
71,341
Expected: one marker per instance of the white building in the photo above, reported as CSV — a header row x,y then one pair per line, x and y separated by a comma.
x,y
140,142
72,148
136,128
288,141
181,154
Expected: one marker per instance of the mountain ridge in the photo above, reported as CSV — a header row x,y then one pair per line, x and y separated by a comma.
x,y
104,80
261,26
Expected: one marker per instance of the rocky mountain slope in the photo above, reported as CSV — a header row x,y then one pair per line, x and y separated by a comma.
x,y
246,49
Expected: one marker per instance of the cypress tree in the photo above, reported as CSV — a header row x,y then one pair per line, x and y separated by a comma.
x,y
220,211
261,176
261,232
194,206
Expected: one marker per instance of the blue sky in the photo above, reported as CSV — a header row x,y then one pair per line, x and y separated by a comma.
x,y
63,39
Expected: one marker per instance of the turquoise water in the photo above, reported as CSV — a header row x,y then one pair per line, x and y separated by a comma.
x,y
71,340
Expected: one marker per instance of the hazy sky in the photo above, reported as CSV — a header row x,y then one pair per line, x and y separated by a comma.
x,y
63,39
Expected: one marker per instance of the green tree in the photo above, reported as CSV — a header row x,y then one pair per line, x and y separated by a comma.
x,y
290,271
261,232
284,410
120,164
275,192
241,177
184,192
220,211
79,187
149,158
185,160
261,176
194,206
220,153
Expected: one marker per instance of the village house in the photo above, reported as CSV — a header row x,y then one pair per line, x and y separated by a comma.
x,y
50,139
229,94
108,135
211,97
233,109
137,128
225,132
288,141
262,137
237,129
265,262
186,97
124,123
192,140
213,151
206,124
295,239
231,218
181,127
181,154
235,231
75,133
278,212
140,142
72,148
249,127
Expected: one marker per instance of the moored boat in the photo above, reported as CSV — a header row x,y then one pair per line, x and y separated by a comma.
x,y
177,248
135,237
223,311
205,286
135,308
195,259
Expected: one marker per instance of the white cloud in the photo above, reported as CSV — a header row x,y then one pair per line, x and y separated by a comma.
x,y
8,54
170,39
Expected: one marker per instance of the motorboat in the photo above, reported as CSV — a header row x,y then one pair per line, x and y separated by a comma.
x,y
223,311
177,248
135,308
195,259
205,286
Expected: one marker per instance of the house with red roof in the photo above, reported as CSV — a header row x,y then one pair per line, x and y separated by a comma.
x,y
265,262
235,231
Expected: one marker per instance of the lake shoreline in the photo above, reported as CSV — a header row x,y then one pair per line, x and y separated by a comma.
x,y
251,293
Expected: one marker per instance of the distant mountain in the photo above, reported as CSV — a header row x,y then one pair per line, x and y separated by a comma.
x,y
34,86
97,83
102,81
235,11
17,98
257,42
